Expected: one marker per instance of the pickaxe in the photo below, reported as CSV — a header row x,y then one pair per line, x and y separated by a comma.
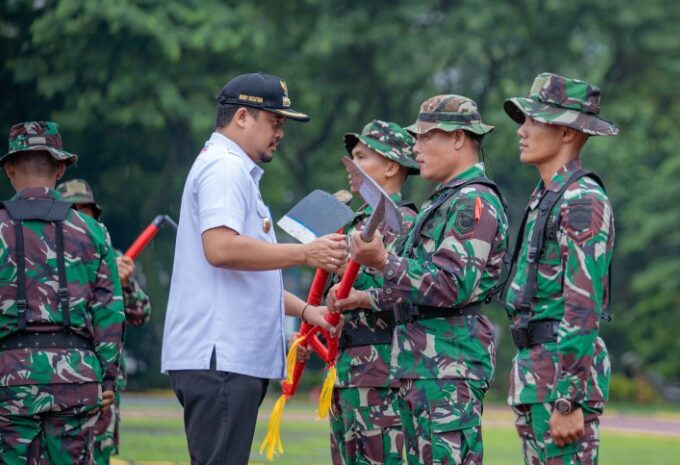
x,y
148,234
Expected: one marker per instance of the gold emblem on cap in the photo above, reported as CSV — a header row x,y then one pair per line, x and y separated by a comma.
x,y
266,225
284,87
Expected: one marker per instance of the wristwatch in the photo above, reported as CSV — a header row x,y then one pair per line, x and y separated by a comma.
x,y
564,406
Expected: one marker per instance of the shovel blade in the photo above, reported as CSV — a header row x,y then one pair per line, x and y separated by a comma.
x,y
316,215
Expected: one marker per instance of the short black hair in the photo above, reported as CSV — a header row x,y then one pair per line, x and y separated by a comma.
x,y
36,162
226,112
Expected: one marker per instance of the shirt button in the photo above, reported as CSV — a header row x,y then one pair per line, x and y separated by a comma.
x,y
388,291
390,273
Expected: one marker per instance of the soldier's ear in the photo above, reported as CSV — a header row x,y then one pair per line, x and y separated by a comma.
x,y
391,168
458,138
60,171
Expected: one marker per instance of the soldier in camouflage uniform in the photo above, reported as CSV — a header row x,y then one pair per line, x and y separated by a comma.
x,y
61,310
443,354
559,289
137,313
365,424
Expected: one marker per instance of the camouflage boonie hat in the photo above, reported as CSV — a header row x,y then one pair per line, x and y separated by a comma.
x,y
33,136
78,191
449,113
388,139
554,99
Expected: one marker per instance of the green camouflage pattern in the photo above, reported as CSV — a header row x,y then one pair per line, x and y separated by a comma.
x,y
34,136
389,140
137,313
48,424
79,191
571,287
366,427
96,300
554,99
441,420
455,261
369,366
533,427
106,433
449,113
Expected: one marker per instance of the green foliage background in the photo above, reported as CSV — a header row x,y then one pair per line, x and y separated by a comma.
x,y
132,82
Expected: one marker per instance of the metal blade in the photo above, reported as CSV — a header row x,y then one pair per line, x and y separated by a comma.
x,y
372,193
316,215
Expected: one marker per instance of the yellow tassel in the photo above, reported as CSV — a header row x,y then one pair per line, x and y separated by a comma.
x,y
327,392
272,441
291,358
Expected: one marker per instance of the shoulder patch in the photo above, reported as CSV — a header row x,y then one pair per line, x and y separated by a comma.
x,y
464,218
579,220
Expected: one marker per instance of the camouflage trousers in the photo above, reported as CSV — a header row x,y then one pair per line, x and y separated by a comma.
x,y
106,433
48,424
533,426
441,419
365,427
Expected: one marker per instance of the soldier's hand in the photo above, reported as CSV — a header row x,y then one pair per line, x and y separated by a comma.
x,y
317,316
303,352
372,253
126,266
328,252
107,399
355,299
566,429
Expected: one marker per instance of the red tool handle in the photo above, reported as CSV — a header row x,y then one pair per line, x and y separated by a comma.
x,y
148,234
313,298
142,241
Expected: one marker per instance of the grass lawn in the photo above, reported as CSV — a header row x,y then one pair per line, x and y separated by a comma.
x,y
152,432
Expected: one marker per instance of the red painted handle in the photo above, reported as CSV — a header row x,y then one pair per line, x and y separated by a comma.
x,y
313,298
142,241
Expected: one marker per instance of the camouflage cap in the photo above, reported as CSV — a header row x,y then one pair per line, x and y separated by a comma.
x,y
449,113
32,136
79,191
554,99
388,139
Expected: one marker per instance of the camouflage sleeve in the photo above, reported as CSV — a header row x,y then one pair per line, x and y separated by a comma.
x,y
372,279
586,247
447,274
137,304
108,316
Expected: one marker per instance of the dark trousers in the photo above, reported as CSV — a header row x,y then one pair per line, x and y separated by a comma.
x,y
220,412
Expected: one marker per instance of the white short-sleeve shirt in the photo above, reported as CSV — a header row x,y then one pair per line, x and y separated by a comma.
x,y
238,313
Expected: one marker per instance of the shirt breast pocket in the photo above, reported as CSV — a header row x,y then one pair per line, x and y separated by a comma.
x,y
431,233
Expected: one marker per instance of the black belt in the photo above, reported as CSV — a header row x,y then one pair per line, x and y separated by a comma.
x,y
407,314
356,337
52,340
536,332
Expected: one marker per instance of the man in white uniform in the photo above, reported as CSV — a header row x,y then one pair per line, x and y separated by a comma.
x,y
223,338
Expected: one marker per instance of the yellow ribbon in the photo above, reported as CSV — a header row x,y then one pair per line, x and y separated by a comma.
x,y
327,392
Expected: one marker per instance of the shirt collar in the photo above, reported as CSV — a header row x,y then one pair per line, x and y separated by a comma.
x,y
557,181
472,172
366,209
37,193
220,139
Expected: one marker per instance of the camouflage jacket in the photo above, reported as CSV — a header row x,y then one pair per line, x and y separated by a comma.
x,y
137,304
369,366
571,286
455,260
137,313
96,301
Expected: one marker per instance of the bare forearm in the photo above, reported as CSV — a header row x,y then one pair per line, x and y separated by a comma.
x,y
238,252
293,304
